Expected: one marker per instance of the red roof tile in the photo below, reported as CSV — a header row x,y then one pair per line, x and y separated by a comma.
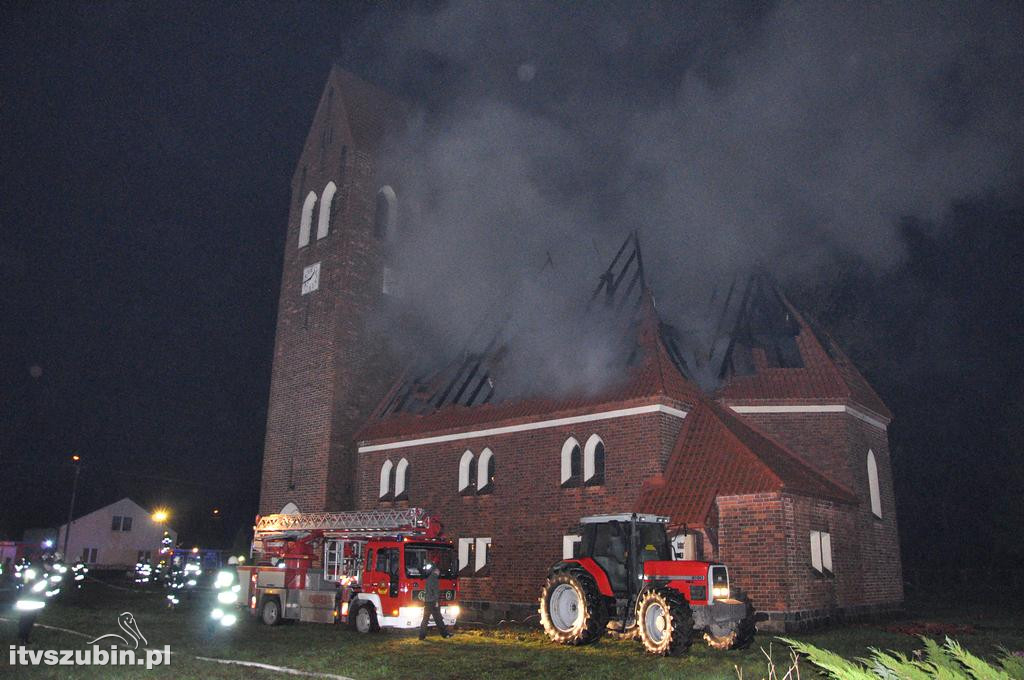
x,y
719,454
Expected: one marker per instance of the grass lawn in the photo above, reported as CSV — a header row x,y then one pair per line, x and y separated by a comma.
x,y
475,652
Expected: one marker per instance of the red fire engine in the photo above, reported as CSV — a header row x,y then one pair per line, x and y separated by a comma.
x,y
360,568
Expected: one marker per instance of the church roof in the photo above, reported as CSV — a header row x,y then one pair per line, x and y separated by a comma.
x,y
775,354
717,453
468,392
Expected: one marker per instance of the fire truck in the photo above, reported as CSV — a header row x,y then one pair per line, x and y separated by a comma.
x,y
363,569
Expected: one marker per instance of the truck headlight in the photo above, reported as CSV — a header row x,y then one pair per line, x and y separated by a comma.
x,y
720,592
410,613
453,611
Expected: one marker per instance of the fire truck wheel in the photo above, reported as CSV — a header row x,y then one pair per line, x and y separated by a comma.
x,y
664,622
270,613
571,608
366,619
735,634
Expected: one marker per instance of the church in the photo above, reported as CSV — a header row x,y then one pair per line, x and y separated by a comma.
x,y
781,470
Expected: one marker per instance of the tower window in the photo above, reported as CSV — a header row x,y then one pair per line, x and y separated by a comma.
x,y
326,201
385,214
306,220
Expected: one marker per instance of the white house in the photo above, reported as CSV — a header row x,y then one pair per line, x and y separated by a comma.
x,y
117,535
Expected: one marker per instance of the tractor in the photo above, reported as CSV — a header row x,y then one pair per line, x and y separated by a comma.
x,y
626,580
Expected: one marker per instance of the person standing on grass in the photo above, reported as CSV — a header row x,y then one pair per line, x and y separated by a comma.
x,y
432,593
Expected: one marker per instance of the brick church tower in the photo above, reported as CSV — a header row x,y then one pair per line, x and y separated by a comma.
x,y
329,370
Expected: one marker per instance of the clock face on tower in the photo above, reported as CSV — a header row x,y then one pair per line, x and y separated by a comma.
x,y
311,278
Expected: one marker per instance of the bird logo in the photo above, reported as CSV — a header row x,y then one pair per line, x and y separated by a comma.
x,y
126,622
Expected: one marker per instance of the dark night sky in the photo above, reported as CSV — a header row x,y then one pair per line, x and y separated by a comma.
x,y
146,153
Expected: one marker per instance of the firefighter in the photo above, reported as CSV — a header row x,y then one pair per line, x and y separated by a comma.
x,y
228,588
78,573
143,571
431,595
174,582
37,586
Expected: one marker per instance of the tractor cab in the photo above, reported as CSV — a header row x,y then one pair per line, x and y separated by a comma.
x,y
625,577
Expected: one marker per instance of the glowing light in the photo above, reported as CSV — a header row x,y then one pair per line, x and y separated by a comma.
x,y
38,586
195,549
160,515
720,592
217,613
228,620
76,458
227,597
29,605
224,579
48,543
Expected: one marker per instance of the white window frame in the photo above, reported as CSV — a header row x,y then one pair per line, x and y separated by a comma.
x,y
826,551
876,496
483,555
569,542
306,218
400,476
391,199
323,225
385,479
821,552
464,464
589,464
464,546
566,458
483,480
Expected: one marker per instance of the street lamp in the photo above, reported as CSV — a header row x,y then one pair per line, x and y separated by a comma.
x,y
76,459
160,515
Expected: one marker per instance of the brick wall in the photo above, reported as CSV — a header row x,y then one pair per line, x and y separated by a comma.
x,y
329,370
528,512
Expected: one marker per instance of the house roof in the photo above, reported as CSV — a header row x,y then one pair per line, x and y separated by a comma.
x,y
776,355
717,453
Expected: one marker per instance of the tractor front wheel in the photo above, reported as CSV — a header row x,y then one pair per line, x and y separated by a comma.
x,y
734,634
571,608
664,622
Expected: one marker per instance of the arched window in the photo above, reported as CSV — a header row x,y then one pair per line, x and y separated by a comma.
x,y
290,509
467,473
306,220
326,199
593,461
876,497
485,472
386,213
402,480
385,481
570,462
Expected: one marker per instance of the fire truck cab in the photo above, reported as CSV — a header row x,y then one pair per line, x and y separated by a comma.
x,y
361,568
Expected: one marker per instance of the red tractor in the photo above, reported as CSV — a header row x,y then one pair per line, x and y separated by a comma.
x,y
625,579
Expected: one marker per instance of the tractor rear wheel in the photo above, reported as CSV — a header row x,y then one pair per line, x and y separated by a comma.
x,y
735,634
664,622
571,608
